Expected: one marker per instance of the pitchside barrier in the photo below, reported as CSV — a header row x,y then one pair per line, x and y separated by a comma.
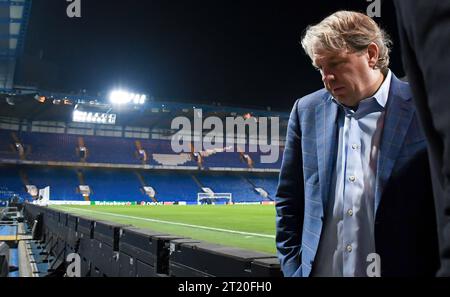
x,y
114,250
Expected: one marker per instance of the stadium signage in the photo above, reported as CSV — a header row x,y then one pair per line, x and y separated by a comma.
x,y
93,117
215,138
112,203
247,203
144,203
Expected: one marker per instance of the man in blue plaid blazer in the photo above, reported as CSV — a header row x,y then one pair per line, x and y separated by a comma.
x,y
354,192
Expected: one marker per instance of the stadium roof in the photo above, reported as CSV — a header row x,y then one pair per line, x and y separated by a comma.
x,y
46,106
14,16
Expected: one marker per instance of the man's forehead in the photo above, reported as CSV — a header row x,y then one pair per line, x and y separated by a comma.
x,y
319,53
322,55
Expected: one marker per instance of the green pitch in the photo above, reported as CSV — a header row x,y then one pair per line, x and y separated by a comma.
x,y
245,226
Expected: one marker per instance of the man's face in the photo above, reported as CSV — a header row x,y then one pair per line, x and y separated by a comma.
x,y
345,75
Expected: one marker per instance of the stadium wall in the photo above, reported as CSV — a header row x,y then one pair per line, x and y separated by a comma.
x,y
108,249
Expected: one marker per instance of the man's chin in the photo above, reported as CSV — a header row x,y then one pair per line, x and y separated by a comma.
x,y
340,99
343,101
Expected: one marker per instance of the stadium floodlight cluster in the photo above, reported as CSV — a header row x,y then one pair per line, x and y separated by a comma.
x,y
93,117
121,97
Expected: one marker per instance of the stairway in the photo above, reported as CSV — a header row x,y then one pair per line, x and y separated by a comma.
x,y
81,182
255,186
138,145
24,178
144,184
80,145
14,137
199,158
199,184
22,154
247,160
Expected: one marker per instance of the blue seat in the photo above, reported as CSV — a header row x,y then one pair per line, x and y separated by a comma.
x,y
114,185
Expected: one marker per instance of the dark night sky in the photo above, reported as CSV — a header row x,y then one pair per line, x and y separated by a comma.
x,y
239,52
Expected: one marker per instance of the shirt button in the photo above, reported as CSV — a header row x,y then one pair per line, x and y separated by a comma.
x,y
349,248
352,178
350,212
355,146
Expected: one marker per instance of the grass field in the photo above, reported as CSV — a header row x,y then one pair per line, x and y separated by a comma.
x,y
245,226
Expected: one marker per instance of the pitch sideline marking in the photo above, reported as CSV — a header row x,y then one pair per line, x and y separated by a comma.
x,y
174,223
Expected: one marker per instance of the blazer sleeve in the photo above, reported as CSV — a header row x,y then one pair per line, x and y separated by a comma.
x,y
289,201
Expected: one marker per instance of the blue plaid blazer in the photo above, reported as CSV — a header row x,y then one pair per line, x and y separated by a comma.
x,y
308,160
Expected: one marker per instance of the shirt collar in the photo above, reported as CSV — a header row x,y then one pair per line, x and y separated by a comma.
x,y
383,92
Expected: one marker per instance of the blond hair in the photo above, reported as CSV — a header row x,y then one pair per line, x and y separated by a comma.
x,y
348,30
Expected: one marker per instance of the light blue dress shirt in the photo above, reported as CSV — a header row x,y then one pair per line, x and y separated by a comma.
x,y
348,232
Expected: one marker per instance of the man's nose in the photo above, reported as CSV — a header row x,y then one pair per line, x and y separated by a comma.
x,y
327,77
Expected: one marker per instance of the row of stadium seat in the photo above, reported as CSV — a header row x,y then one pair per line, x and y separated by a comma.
x,y
49,147
10,181
103,149
126,185
6,148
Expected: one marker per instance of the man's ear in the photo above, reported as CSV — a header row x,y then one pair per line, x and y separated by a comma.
x,y
373,52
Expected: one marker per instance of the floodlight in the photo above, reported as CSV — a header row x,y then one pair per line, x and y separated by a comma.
x,y
121,97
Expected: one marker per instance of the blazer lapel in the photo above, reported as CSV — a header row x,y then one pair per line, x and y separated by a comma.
x,y
398,117
326,129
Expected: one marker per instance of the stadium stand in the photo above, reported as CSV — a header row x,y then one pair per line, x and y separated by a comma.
x,y
224,159
40,146
11,181
7,150
114,185
162,153
65,156
230,183
256,160
269,183
49,146
162,182
102,149
63,182
127,185
157,146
